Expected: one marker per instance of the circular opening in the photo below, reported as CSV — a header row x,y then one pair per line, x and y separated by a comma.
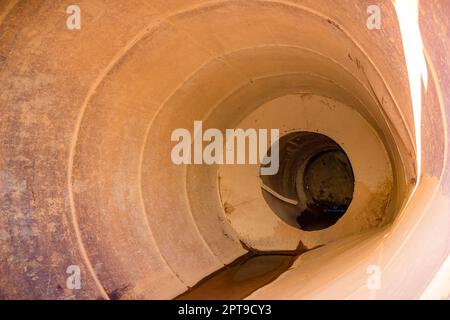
x,y
314,185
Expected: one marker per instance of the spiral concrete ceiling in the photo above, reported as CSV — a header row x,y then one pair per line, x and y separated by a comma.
x,y
86,177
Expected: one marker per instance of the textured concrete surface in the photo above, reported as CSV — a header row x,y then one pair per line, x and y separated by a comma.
x,y
85,122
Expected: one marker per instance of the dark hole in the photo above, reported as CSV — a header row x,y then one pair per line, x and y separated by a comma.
x,y
328,183
315,172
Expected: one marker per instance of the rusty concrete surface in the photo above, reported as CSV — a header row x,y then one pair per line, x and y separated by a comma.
x,y
85,122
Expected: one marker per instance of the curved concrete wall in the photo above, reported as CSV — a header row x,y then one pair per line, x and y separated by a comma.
x,y
86,117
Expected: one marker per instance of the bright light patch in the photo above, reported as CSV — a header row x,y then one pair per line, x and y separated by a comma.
x,y
408,18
